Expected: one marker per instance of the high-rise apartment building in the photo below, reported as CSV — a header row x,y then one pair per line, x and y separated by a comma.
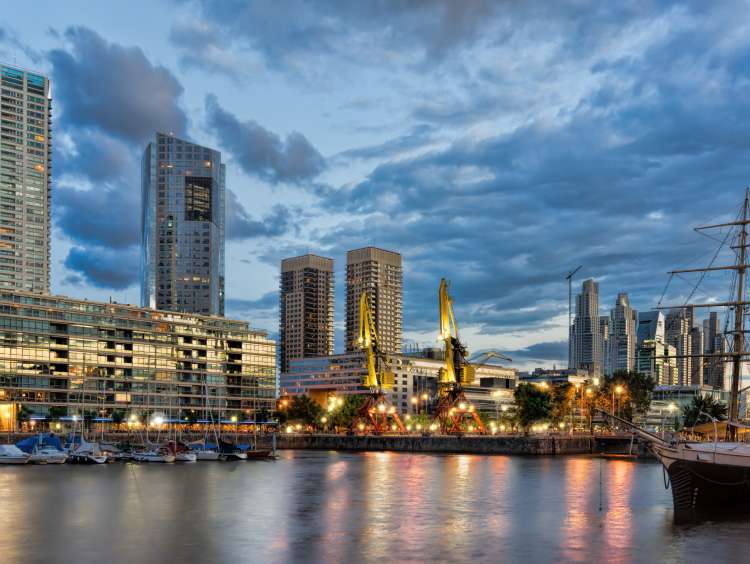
x,y
378,273
622,335
25,165
306,308
658,360
587,338
182,227
677,333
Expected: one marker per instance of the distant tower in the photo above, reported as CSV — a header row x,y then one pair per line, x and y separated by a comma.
x,y
604,339
182,227
25,180
587,339
714,343
622,335
305,308
650,327
678,335
378,273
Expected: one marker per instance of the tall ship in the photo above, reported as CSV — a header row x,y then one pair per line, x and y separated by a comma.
x,y
713,477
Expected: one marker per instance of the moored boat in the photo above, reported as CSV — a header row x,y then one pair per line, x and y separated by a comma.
x,y
11,454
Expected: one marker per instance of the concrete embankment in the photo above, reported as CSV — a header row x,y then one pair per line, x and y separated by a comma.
x,y
442,444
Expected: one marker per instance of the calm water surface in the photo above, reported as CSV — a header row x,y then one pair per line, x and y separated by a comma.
x,y
340,507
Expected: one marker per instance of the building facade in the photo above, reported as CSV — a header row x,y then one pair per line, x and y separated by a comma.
x,y
697,361
182,227
677,333
415,381
81,357
650,327
622,335
379,274
25,168
657,359
586,333
715,345
305,308
604,332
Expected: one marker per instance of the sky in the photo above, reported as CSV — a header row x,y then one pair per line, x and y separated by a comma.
x,y
496,144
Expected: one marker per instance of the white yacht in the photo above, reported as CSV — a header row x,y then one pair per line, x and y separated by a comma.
x,y
48,455
11,454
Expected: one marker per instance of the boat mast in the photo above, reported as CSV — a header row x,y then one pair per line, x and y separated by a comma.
x,y
739,317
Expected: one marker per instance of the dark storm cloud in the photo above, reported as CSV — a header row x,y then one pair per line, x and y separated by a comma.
x,y
261,152
548,350
415,138
104,267
111,100
99,216
116,89
240,225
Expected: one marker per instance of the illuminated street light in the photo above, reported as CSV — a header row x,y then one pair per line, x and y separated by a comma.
x,y
414,400
433,427
425,397
234,419
462,405
381,407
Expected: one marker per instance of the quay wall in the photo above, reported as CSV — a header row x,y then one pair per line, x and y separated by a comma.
x,y
441,444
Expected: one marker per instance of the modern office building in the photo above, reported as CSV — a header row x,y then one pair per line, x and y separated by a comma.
x,y
651,327
697,361
604,335
25,167
305,308
90,358
716,366
182,227
378,273
586,331
622,335
677,334
415,381
657,359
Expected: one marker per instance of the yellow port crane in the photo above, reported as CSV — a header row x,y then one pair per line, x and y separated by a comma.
x,y
453,408
376,415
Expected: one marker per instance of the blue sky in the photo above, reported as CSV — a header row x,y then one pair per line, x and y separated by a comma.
x,y
496,144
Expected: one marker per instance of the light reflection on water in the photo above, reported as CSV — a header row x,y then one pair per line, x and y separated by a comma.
x,y
341,507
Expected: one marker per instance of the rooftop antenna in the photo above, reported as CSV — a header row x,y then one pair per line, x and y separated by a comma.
x,y
569,278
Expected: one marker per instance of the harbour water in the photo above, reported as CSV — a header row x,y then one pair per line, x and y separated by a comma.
x,y
345,507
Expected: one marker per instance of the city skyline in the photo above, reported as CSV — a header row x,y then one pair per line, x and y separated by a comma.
x,y
442,183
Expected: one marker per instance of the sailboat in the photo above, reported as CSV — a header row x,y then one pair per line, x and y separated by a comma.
x,y
43,449
713,477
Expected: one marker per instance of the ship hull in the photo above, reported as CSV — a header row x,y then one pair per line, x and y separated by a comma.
x,y
703,489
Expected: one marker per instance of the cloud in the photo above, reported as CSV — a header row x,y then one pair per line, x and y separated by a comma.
x,y
549,350
240,225
103,267
261,152
116,89
416,138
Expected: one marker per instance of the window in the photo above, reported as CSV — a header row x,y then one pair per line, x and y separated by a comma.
x,y
198,198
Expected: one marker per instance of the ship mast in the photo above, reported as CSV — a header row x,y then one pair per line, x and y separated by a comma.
x,y
739,317
738,307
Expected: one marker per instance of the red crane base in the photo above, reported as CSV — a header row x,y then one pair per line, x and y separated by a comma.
x,y
449,414
374,418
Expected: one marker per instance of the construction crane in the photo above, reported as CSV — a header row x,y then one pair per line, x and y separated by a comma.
x,y
452,407
376,414
485,356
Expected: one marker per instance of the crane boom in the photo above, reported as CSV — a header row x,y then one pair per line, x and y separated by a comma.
x,y
378,377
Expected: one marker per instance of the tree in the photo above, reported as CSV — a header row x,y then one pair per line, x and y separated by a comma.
x,y
57,411
118,416
23,414
345,415
304,410
192,417
532,404
691,413
562,397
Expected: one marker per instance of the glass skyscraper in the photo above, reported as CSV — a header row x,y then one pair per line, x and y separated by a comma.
x,y
182,238
25,161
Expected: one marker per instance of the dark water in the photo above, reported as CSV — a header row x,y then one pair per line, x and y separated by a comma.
x,y
336,507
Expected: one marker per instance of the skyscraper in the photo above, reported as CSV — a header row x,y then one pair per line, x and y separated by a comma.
x,y
587,339
677,334
622,335
650,327
697,360
182,227
306,308
25,165
378,273
604,332
715,367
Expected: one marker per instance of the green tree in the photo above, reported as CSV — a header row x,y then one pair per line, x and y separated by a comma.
x,y
344,416
562,396
691,413
57,411
118,416
532,404
192,417
23,414
304,410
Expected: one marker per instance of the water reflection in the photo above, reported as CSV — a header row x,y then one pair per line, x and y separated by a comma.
x,y
341,507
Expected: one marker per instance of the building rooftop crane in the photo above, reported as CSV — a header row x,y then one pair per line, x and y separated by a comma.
x,y
453,408
375,413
